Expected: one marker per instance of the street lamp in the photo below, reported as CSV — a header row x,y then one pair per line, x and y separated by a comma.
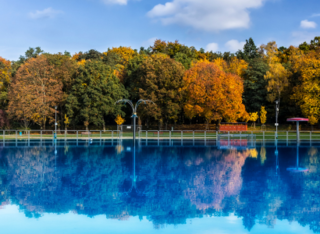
x,y
55,122
134,112
277,113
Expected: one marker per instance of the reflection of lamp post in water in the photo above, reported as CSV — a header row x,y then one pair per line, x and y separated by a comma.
x,y
297,168
277,158
55,122
133,191
277,113
134,112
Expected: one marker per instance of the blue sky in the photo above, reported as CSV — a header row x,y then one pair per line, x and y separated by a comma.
x,y
72,223
218,25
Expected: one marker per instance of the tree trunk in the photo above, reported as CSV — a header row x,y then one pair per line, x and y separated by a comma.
x,y
104,126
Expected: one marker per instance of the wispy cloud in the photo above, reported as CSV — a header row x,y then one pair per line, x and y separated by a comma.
x,y
212,47
308,24
46,13
235,45
149,42
207,15
119,2
315,15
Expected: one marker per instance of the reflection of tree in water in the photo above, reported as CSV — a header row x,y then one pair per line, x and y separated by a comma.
x,y
214,177
177,184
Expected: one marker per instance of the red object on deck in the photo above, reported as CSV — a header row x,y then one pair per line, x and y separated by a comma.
x,y
298,119
233,128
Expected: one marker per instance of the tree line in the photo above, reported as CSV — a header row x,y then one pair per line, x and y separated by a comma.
x,y
187,85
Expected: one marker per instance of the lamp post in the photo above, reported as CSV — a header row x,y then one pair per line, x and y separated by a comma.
x,y
277,113
134,112
55,122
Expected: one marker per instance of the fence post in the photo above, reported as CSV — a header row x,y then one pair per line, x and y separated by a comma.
x,y
205,135
112,135
29,135
100,135
41,135
263,134
181,135
147,135
228,137
240,137
4,133
16,135
158,135
217,133
77,135
287,136
170,137
65,135
310,136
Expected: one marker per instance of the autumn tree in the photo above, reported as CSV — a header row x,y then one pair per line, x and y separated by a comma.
x,y
93,94
5,79
277,76
254,117
263,115
213,94
307,91
34,92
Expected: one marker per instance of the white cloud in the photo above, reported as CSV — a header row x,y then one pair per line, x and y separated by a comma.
x,y
46,13
207,15
299,37
234,45
315,15
212,47
120,2
308,24
149,42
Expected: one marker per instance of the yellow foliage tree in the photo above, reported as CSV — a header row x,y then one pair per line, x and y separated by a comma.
x,y
263,115
307,93
253,117
277,76
237,66
125,53
119,120
66,122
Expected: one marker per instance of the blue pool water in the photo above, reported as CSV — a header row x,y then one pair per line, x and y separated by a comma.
x,y
112,187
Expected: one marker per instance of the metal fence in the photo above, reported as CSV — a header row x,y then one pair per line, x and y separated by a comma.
x,y
156,134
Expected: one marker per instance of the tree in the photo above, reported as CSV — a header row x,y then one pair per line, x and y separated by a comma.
x,y
253,117
5,79
263,115
307,91
255,91
119,120
93,94
34,92
158,78
277,76
213,94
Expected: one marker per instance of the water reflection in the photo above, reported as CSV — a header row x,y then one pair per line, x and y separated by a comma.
x,y
168,185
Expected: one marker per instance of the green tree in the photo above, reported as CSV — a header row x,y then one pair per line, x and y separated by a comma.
x,y
255,91
94,93
158,78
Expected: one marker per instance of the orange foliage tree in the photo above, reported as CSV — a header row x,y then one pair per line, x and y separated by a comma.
x,y
34,92
213,94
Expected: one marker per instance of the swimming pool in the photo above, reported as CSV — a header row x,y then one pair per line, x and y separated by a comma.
x,y
158,187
